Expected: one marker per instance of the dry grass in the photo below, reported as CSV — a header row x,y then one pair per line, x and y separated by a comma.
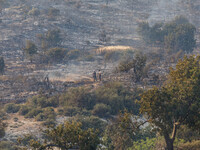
x,y
114,48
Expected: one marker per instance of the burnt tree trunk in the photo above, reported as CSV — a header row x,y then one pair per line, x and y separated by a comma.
x,y
170,141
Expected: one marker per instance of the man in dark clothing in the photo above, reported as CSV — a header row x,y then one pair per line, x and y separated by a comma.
x,y
94,76
99,75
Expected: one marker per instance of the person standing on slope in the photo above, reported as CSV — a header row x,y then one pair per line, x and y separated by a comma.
x,y
94,76
99,75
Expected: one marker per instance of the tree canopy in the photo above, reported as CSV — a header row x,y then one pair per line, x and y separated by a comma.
x,y
177,102
30,49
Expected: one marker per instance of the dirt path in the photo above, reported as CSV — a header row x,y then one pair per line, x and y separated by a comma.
x,y
19,126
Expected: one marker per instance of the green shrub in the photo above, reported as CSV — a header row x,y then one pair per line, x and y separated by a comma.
x,y
42,101
34,112
56,54
118,97
40,117
47,113
187,134
25,139
89,58
73,54
194,145
11,108
101,110
112,55
148,144
144,132
71,111
60,111
91,122
24,110
49,123
85,112
77,97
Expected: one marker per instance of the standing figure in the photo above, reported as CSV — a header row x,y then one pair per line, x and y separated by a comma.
x,y
99,75
94,76
46,81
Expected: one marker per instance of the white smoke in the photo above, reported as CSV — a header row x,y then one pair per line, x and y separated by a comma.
x,y
165,10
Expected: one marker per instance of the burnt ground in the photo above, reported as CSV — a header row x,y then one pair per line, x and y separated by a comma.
x,y
81,23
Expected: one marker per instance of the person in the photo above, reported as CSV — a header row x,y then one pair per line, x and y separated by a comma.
x,y
46,80
99,75
94,76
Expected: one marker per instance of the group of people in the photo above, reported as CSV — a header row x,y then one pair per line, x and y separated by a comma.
x,y
95,75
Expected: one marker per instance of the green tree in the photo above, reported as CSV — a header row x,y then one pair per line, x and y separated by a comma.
x,y
2,65
53,37
137,64
183,38
176,103
30,49
144,31
50,39
176,35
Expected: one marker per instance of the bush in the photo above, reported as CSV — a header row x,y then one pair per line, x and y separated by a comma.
x,y
194,145
47,113
42,101
77,97
101,110
89,58
188,134
34,112
117,97
56,54
11,108
25,140
49,123
73,54
146,132
91,122
148,144
112,56
71,111
24,110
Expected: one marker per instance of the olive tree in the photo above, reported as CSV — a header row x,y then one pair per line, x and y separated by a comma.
x,y
177,103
